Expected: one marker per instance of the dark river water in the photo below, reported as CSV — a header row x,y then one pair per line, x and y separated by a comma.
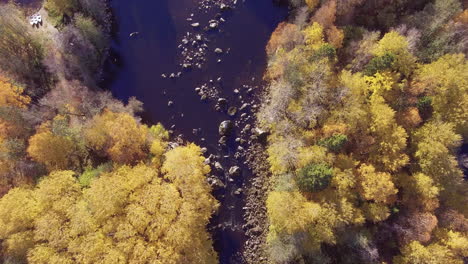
x,y
138,62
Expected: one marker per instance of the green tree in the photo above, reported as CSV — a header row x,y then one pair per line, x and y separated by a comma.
x,y
314,177
334,143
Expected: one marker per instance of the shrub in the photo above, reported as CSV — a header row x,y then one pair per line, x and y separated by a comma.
x,y
314,177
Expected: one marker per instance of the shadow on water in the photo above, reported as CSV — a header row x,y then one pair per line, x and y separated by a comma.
x,y
136,64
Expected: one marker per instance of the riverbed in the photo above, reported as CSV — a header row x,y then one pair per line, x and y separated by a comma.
x,y
189,62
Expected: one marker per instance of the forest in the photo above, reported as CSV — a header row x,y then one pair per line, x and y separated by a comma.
x,y
367,108
82,179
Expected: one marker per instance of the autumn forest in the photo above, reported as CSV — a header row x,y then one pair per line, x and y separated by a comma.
x,y
365,112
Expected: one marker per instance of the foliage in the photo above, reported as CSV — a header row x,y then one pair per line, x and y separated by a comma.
x,y
376,186
357,93
314,177
54,151
334,143
378,64
60,10
416,253
93,33
446,81
396,45
119,136
151,218
12,95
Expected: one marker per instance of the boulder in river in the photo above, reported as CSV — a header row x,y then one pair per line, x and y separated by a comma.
x,y
225,128
218,51
195,25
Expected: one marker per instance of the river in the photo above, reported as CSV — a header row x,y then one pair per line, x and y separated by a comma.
x,y
157,47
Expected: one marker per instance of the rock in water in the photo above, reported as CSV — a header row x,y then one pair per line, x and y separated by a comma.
x,y
225,128
232,111
218,166
235,171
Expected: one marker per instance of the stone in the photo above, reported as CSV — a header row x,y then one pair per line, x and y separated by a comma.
x,y
217,184
218,166
222,101
260,133
225,128
213,25
256,230
235,171
244,106
238,191
232,111
195,25
222,140
218,51
170,103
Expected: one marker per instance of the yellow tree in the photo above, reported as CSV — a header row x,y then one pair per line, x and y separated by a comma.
x,y
185,168
420,192
397,45
119,136
11,94
446,81
313,36
415,253
18,209
374,185
434,144
54,151
56,195
290,212
390,137
128,215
